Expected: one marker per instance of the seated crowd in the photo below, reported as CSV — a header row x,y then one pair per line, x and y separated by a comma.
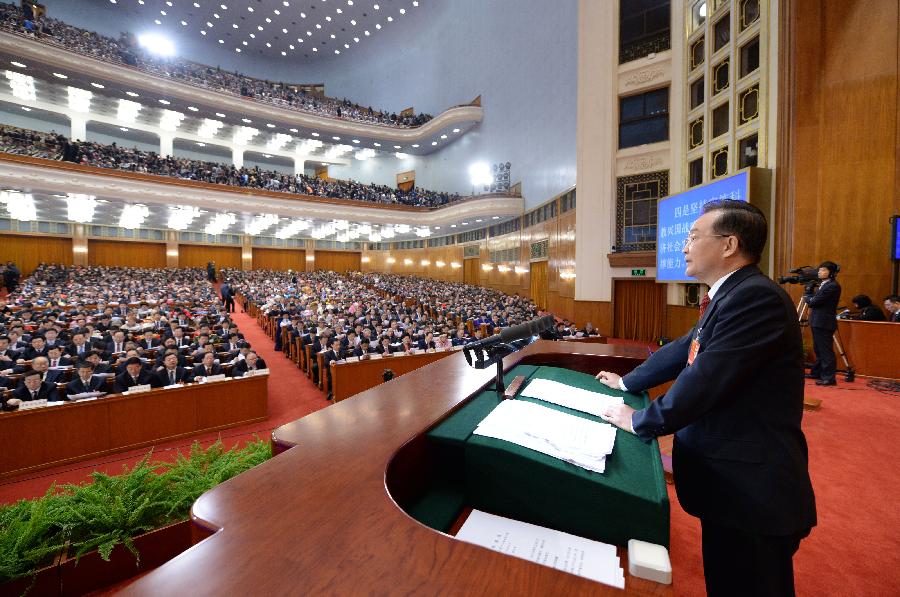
x,y
355,315
57,147
125,50
74,331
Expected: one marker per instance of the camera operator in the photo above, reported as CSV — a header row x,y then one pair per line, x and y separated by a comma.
x,y
823,304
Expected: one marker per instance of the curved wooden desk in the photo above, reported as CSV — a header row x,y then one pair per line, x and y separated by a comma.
x,y
318,518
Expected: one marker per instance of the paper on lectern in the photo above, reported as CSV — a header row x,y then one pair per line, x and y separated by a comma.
x,y
562,394
569,438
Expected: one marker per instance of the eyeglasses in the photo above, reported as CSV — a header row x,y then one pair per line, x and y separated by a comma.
x,y
690,240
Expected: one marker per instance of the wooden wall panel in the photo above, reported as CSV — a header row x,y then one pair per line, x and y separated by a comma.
x,y
680,320
338,261
27,252
279,259
839,137
199,255
126,254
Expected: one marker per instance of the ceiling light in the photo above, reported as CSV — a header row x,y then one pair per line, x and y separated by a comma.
x,y
209,128
165,102
283,53
402,228
22,85
81,207
434,142
496,218
415,3
123,129
234,25
390,20
377,144
196,5
20,205
203,33
247,120
220,115
336,138
249,9
415,144
455,130
18,64
284,30
378,25
294,130
403,11
328,19
401,156
162,12
397,147
318,26
339,11
356,39
208,24
221,41
132,94
292,229
170,120
79,99
252,36
157,44
270,125
243,134
184,23
223,7
260,223
133,216
291,46
315,134
443,136
349,2
128,110
97,85
353,22
60,76
376,7
200,144
453,225
437,227
219,223
366,32
268,45
477,221
267,156
268,20
181,216
465,223
346,45
157,21
26,108
193,109
302,15
356,140
332,36
278,12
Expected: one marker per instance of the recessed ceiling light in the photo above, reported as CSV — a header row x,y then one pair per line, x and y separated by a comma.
x,y
403,11
162,12
234,25
349,2
496,218
339,11
396,147
378,25
415,3
284,30
199,144
291,46
336,138
302,15
376,7
318,26
249,9
453,225
294,130
26,108
455,130
332,36
465,223
367,33
443,136
60,76
415,144
252,36
270,125
390,19
208,24
315,134
478,221
353,22
168,4
193,108
283,53
268,45
328,19
184,23
247,120
434,142
356,140
244,42
132,94
123,129
268,20
165,102
356,39
377,144
220,115
223,7
215,14
437,227
19,64
97,85
238,50
346,45
278,12
202,32
157,21
221,41
196,5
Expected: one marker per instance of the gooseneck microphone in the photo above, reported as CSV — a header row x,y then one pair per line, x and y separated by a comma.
x,y
516,332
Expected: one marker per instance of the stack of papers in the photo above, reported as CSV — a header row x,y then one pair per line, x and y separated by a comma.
x,y
554,549
569,396
569,438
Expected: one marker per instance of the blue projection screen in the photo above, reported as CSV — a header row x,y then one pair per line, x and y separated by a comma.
x,y
676,215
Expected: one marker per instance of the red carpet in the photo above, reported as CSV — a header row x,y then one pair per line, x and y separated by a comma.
x,y
291,396
855,549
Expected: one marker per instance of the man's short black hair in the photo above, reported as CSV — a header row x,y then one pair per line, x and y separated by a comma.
x,y
85,365
894,298
745,221
30,373
133,361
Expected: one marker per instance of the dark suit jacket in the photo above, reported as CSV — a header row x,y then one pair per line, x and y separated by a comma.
x,y
124,381
240,368
823,306
64,361
72,350
200,371
182,375
739,456
47,392
76,386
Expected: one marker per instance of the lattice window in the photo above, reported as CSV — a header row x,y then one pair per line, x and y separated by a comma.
x,y
749,13
748,105
636,198
540,249
695,137
695,172
719,162
720,120
698,93
471,251
722,33
698,53
749,151
721,76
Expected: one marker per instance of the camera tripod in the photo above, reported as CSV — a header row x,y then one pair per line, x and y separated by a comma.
x,y
848,370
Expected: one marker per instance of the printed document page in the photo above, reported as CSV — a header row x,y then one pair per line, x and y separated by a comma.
x,y
569,396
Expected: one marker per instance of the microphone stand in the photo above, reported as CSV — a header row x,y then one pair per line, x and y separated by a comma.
x,y
495,354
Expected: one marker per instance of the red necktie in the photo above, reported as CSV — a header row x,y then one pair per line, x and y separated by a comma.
x,y
704,303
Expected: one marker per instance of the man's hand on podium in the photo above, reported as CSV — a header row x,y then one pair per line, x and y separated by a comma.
x,y
620,416
609,379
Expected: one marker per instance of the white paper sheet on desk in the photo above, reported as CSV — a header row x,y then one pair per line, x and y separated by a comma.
x,y
569,438
583,557
555,392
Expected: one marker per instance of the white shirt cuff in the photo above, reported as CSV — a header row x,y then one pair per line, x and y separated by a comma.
x,y
622,385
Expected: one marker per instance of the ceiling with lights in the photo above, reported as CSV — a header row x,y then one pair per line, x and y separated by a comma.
x,y
285,30
90,209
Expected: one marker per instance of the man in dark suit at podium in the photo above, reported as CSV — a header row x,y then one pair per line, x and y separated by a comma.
x,y
823,303
739,456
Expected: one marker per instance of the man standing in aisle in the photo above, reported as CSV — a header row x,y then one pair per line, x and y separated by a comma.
x,y
739,456
823,303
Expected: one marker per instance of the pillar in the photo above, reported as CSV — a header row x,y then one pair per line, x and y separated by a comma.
x,y
595,179
165,144
79,245
78,125
299,161
246,252
237,156
310,254
171,248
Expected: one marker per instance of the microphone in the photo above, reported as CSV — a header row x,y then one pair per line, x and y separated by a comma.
x,y
516,332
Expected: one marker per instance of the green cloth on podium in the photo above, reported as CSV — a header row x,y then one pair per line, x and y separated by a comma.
x,y
628,501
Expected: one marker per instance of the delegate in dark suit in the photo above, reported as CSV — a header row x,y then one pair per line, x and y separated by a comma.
x,y
46,391
823,305
202,371
124,381
166,377
77,385
739,455
241,367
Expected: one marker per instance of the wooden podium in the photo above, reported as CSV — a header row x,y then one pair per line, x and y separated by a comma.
x,y
321,517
